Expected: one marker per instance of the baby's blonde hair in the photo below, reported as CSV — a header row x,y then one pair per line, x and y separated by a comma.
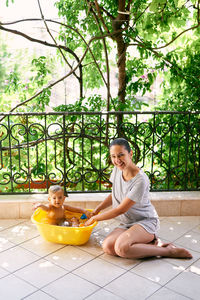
x,y
55,188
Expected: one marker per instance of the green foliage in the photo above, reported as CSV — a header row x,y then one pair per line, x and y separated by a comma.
x,y
40,66
177,151
153,39
7,2
140,77
16,86
93,103
157,44
182,94
75,147
12,82
154,24
4,56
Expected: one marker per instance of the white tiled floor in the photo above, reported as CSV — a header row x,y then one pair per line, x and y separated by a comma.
x,y
33,269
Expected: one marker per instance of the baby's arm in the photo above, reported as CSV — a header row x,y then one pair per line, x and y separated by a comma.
x,y
42,206
78,209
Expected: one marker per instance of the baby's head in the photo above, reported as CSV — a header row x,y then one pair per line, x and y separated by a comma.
x,y
55,188
56,195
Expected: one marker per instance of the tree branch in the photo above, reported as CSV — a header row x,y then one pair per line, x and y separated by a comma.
x,y
80,80
136,19
164,46
104,10
129,5
38,41
52,84
59,46
160,55
100,16
108,73
62,78
107,61
67,26
198,12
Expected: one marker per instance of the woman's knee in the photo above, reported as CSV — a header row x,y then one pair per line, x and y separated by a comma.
x,y
109,242
122,248
108,247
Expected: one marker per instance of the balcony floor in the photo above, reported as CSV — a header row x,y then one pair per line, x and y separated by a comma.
x,y
33,269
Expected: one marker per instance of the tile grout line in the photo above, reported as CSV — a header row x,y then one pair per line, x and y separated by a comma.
x,y
178,293
95,257
24,298
169,290
105,290
172,280
183,236
11,225
71,272
67,272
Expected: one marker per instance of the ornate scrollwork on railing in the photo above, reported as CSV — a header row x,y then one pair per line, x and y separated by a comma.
x,y
72,149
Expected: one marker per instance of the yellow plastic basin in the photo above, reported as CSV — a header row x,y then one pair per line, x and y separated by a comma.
x,y
61,234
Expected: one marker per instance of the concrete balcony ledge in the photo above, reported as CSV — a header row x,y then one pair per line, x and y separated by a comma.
x,y
166,203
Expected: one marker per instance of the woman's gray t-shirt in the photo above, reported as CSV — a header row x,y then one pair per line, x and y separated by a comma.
x,y
136,189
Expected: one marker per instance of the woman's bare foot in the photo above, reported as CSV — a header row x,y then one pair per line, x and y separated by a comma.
x,y
178,252
165,245
158,242
154,242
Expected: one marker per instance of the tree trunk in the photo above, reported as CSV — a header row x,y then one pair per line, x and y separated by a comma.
x,y
121,64
117,24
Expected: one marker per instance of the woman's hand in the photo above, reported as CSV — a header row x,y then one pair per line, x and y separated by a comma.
x,y
90,221
88,214
94,212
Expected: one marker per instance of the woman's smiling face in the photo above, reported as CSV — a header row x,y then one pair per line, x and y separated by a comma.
x,y
120,157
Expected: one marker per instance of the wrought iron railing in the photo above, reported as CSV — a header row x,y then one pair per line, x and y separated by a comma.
x,y
71,149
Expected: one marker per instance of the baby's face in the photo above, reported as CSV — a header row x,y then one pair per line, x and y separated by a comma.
x,y
57,199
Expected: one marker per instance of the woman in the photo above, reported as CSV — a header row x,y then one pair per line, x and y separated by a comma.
x,y
136,235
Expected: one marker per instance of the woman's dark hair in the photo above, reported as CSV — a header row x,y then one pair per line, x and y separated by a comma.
x,y
121,142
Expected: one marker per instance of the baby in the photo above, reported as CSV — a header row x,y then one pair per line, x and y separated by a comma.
x,y
56,208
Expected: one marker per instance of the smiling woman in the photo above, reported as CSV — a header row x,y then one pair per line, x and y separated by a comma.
x,y
136,235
